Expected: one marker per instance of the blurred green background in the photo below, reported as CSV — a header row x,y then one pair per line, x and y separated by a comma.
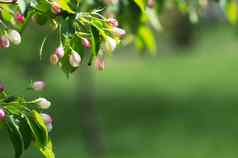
x,y
180,103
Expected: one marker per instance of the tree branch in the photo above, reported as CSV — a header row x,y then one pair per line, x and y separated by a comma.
x,y
8,2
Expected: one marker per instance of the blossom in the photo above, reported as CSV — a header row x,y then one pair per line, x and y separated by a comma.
x,y
113,22
14,37
59,52
38,85
86,43
118,31
54,59
99,63
56,8
4,42
109,44
48,121
74,59
43,103
2,114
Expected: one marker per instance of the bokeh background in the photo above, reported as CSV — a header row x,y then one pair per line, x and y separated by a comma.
x,y
181,103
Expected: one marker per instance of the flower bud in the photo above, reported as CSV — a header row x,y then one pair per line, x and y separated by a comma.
x,y
113,22
38,85
99,64
48,121
86,43
74,59
109,44
14,37
55,7
151,3
54,59
111,2
2,114
118,31
59,52
43,103
2,88
47,118
20,18
4,42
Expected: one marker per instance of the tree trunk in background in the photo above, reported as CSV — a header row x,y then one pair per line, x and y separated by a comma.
x,y
88,117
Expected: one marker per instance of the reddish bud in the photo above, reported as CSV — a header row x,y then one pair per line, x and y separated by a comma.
x,y
20,18
2,114
56,8
2,88
86,43
4,42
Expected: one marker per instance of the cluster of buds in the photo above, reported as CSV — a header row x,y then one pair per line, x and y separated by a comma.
x,y
12,36
74,57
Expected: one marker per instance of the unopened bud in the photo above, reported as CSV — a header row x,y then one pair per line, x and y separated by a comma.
x,y
4,42
86,43
14,37
54,59
38,85
74,59
43,103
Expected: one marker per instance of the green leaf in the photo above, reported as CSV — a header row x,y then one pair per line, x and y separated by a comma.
x,y
22,5
95,40
146,39
141,4
38,128
232,12
15,136
65,6
48,150
26,133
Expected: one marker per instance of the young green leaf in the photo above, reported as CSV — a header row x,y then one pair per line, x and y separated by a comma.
x,y
38,128
48,150
15,136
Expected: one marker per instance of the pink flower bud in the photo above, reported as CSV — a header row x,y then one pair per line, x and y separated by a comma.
x,y
99,64
43,103
4,42
2,88
113,22
54,59
20,18
14,37
48,121
56,8
86,43
74,59
47,118
2,114
151,3
38,85
59,52
118,31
